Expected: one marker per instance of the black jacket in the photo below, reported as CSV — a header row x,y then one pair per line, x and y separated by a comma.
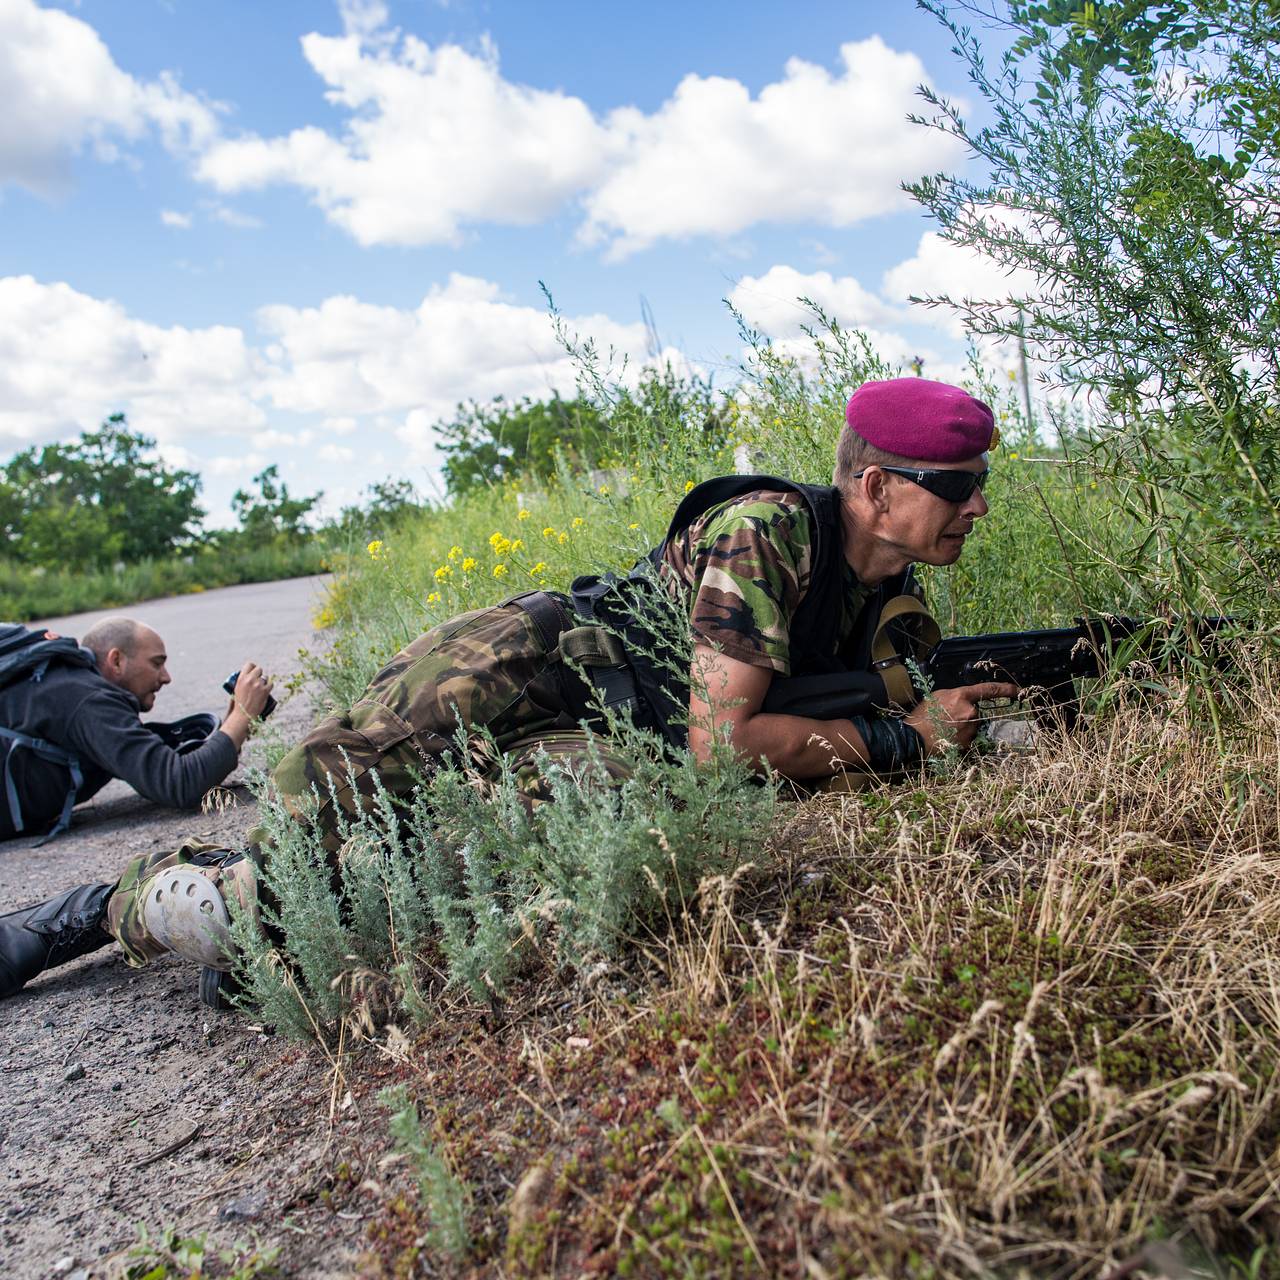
x,y
76,709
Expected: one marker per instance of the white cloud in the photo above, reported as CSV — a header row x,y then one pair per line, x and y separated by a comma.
x,y
237,466
234,218
938,268
347,357
366,19
172,218
771,302
68,359
344,368
437,138
60,91
813,146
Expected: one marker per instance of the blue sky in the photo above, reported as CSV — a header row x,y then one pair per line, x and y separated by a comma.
x,y
300,233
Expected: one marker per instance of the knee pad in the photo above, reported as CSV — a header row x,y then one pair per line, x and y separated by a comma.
x,y
184,911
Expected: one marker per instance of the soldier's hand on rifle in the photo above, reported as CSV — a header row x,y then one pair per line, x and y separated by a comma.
x,y
951,715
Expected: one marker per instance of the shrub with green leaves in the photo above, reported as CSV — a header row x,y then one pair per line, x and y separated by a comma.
x,y
1127,182
461,878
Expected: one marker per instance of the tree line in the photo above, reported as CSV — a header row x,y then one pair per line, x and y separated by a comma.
x,y
109,498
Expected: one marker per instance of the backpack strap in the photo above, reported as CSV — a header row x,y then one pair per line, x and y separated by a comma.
x,y
54,755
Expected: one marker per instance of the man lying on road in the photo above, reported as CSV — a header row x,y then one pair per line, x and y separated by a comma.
x,y
69,723
781,579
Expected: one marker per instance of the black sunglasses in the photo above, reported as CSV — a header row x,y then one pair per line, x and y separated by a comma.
x,y
950,486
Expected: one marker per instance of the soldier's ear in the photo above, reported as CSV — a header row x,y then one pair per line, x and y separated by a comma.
x,y
876,487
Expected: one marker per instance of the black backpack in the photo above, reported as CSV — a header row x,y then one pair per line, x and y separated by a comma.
x,y
27,655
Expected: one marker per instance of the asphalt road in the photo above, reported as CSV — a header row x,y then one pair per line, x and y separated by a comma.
x,y
207,635
211,633
103,1067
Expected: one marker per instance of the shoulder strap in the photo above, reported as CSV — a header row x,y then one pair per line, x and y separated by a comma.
x,y
711,493
44,751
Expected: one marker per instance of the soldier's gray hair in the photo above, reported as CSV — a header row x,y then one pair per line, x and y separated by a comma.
x,y
854,454
111,633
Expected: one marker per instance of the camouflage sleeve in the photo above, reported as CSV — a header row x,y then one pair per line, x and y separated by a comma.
x,y
746,567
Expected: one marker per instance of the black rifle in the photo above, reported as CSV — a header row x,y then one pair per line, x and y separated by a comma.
x,y
1044,664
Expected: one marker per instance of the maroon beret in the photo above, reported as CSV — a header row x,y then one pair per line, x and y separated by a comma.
x,y
922,420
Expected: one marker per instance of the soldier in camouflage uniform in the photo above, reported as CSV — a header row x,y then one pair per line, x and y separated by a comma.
x,y
760,583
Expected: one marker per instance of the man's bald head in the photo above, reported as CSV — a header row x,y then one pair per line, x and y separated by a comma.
x,y
112,633
130,656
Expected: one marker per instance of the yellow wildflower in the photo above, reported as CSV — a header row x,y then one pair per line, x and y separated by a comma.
x,y
499,570
562,539
1013,375
577,522
468,563
548,532
1093,484
633,526
522,514
434,598
500,543
688,486
538,569
1013,457
444,573
454,552
603,490
375,548
517,545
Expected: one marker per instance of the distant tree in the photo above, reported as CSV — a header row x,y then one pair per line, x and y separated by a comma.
x,y
489,443
105,498
386,503
272,512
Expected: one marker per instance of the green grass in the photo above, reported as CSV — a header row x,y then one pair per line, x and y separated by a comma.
x,y
1016,1017
33,594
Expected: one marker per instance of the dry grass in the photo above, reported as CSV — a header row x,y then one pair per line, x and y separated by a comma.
x,y
1022,1021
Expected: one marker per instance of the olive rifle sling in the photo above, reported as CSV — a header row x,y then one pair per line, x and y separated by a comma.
x,y
887,662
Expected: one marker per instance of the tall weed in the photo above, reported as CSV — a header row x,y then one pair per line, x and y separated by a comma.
x,y
465,880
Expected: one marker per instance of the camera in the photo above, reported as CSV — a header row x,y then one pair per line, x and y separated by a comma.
x,y
229,684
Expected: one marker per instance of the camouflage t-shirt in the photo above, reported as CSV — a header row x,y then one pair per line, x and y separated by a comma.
x,y
746,566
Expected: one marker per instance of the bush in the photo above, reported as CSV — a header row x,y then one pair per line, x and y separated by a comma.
x,y
464,875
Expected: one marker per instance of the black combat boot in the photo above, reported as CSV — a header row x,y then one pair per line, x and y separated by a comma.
x,y
51,933
217,988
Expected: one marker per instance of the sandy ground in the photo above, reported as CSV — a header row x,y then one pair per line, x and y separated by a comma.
x,y
123,1099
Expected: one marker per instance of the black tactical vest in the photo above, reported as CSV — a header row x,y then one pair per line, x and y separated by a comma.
x,y
632,605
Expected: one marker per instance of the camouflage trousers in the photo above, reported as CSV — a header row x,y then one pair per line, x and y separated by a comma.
x,y
490,670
